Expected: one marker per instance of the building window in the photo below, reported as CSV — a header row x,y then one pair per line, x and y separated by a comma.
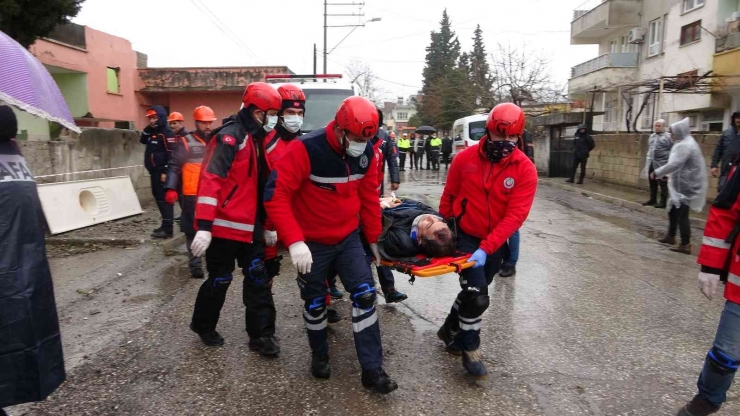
x,y
691,33
613,46
656,37
689,5
114,83
712,120
403,116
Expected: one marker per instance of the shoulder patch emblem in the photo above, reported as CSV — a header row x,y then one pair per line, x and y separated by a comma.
x,y
509,183
363,161
228,140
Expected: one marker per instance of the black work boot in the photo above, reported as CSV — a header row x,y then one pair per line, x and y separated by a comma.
x,y
197,273
162,233
507,270
332,316
662,203
211,338
472,363
670,240
448,337
378,381
320,365
267,346
392,295
650,202
698,406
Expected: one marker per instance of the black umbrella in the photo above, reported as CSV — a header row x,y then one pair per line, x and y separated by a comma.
x,y
426,130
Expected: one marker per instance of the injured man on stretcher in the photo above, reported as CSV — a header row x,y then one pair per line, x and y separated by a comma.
x,y
411,228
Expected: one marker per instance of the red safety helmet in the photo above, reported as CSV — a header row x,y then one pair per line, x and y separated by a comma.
x,y
358,116
150,113
204,114
263,96
175,116
290,92
506,119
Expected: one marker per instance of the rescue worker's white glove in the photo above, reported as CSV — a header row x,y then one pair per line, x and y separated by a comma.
x,y
376,253
201,241
301,256
708,284
270,238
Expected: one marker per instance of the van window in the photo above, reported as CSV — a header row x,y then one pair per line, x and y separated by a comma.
x,y
321,107
477,129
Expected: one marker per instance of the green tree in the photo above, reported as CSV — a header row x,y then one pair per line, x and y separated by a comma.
x,y
441,60
27,20
480,71
414,121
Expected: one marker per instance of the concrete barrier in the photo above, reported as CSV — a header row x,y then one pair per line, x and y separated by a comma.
x,y
95,153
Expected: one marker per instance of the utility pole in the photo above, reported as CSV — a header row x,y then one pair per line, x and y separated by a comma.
x,y
314,59
326,23
326,50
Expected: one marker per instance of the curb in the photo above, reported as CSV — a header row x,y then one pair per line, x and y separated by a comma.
x,y
118,242
695,222
170,246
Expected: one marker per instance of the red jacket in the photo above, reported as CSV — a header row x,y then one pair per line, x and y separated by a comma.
x,y
317,193
489,200
718,257
227,189
379,158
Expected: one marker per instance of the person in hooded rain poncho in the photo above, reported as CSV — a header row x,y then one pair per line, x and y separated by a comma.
x,y
31,359
660,145
687,184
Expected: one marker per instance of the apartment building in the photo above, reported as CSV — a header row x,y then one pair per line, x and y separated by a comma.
x,y
658,59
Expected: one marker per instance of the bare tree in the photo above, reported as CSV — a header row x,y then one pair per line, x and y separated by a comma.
x,y
521,76
360,74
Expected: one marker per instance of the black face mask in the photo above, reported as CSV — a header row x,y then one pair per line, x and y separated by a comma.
x,y
497,150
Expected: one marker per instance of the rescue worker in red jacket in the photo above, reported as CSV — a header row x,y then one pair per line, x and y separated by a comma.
x,y
290,120
336,166
230,218
719,258
183,173
489,191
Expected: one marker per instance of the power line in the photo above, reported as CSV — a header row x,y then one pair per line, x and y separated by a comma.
x,y
377,77
221,26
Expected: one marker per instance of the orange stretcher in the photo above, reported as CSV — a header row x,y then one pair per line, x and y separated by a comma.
x,y
423,267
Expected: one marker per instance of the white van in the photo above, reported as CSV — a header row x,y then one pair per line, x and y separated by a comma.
x,y
324,93
468,130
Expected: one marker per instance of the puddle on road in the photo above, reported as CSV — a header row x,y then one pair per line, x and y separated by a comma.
x,y
417,321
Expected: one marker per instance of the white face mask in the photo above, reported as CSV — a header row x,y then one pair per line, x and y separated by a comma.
x,y
355,149
271,123
293,123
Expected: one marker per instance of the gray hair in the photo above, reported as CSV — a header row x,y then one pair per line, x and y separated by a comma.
x,y
660,120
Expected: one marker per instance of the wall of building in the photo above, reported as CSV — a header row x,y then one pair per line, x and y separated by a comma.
x,y
223,104
620,158
94,149
541,140
102,51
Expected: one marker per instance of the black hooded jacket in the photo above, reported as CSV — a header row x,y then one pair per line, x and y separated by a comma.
x,y
160,142
395,242
583,143
728,148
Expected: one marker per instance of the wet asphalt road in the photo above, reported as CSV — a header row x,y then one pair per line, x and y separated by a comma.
x,y
600,320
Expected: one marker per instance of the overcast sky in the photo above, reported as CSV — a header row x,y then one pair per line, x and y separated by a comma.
x,y
182,33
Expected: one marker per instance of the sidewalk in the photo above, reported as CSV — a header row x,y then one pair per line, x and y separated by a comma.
x,y
627,197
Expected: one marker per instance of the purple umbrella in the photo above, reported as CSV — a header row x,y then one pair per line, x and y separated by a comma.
x,y
25,83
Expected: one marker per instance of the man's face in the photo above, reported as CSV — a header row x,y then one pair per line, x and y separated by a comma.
x,y
737,121
153,121
429,224
351,137
293,112
496,138
176,126
659,127
259,115
204,126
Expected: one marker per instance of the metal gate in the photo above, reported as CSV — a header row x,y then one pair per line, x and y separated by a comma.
x,y
561,150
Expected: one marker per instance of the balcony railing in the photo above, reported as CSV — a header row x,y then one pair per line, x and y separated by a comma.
x,y
609,60
586,7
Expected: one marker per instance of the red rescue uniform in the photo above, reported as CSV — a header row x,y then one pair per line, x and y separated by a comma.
x,y
315,193
489,200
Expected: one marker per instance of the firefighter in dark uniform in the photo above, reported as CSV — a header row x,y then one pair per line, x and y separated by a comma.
x,y
160,142
334,166
230,216
183,173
